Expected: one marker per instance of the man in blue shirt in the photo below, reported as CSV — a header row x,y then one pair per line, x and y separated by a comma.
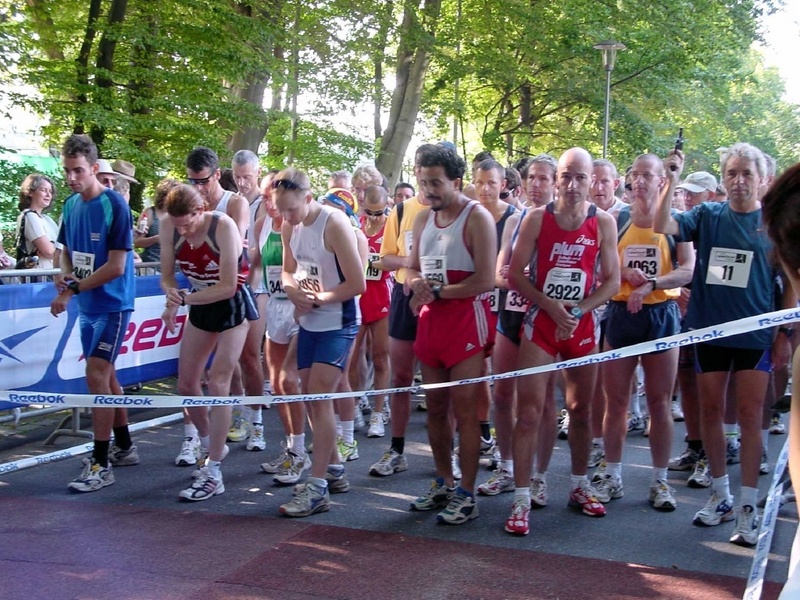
x,y
97,266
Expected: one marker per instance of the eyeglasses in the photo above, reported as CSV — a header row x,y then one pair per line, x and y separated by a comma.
x,y
201,181
374,213
628,187
286,184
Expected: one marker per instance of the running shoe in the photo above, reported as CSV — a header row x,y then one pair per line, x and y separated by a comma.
x,y
438,496
746,531
387,412
732,450
291,470
583,497
363,405
358,420
677,412
462,508
239,430
563,424
501,481
93,477
518,521
422,406
189,452
608,488
701,476
376,428
685,462
274,465
600,473
203,488
256,442
123,458
776,426
347,451
202,459
763,468
338,483
390,463
646,430
715,511
538,493
662,496
488,446
307,500
596,456
635,422
454,465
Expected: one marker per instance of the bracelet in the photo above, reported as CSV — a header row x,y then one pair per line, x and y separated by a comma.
x,y
182,294
789,333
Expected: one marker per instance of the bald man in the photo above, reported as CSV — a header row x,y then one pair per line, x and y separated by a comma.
x,y
561,244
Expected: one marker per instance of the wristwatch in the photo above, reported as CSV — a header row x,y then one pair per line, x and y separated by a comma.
x,y
74,287
652,282
437,291
576,312
789,333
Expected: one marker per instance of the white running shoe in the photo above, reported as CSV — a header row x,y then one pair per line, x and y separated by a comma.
x,y
189,452
376,428
256,442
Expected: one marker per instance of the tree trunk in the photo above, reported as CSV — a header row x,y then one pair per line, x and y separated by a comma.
x,y
380,50
413,58
105,66
82,62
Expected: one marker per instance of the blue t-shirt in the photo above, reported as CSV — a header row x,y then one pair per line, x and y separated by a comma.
x,y
733,277
90,229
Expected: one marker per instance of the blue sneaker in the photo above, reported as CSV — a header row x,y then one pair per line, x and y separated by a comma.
x,y
462,508
308,500
715,511
438,495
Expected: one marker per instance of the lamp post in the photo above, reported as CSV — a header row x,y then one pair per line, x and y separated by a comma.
x,y
609,49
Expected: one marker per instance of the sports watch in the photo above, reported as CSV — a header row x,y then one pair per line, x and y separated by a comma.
x,y
652,282
576,312
74,287
436,290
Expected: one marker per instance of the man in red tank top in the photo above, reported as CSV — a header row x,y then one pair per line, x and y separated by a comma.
x,y
563,243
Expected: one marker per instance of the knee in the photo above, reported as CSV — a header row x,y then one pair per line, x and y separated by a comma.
x,y
380,362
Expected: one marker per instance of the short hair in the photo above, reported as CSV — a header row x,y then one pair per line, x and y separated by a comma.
x,y
29,185
367,174
202,158
482,156
227,181
440,156
376,193
162,189
80,145
780,212
604,162
545,159
747,152
121,186
491,164
405,184
183,200
421,150
653,157
341,178
521,164
513,179
244,158
772,165
297,177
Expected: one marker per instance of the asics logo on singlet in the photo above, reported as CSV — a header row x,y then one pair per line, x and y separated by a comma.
x,y
585,241
567,249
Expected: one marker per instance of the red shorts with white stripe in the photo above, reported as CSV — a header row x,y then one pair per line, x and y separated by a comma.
x,y
540,329
451,331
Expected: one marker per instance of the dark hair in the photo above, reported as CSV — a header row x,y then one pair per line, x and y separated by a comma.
x,y
226,181
440,156
404,184
780,211
482,156
521,165
202,158
32,183
513,179
491,164
80,145
183,200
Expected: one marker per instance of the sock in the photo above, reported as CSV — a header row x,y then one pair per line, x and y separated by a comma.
x,y
255,416
246,412
190,431
398,444
748,496
205,440
522,493
336,470
507,465
598,442
122,437
577,480
297,444
765,439
319,483
658,475
347,431
614,469
213,469
100,452
460,491
486,432
731,429
695,445
540,476
338,427
721,485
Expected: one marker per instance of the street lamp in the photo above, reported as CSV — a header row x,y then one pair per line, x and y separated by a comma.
x,y
609,49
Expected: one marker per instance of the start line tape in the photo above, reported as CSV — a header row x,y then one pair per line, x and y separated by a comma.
x,y
707,334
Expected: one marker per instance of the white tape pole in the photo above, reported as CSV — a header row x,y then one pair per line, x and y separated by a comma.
x,y
706,334
755,582
34,461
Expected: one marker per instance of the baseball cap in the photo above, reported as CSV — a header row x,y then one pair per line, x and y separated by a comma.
x,y
699,181
343,198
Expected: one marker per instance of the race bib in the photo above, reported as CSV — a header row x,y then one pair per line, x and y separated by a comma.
x,y
309,277
729,266
516,302
408,237
274,281
494,300
565,284
373,274
645,258
82,264
434,268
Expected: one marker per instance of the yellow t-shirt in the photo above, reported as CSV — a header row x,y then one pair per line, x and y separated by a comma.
x,y
644,249
397,240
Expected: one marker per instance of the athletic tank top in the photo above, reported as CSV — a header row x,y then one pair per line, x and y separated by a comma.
x,y
373,255
565,264
272,260
201,263
443,255
222,205
497,297
644,249
318,271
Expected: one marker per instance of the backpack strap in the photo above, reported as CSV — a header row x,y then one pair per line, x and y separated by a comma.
x,y
624,222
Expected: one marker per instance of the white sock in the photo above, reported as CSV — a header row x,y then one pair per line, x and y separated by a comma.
x,y
540,476
577,480
722,486
598,442
614,469
338,426
213,469
190,431
205,440
297,444
731,429
765,439
347,431
748,496
522,492
255,416
658,475
507,465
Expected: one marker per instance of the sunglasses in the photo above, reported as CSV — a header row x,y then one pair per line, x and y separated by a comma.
x,y
201,181
286,184
374,213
